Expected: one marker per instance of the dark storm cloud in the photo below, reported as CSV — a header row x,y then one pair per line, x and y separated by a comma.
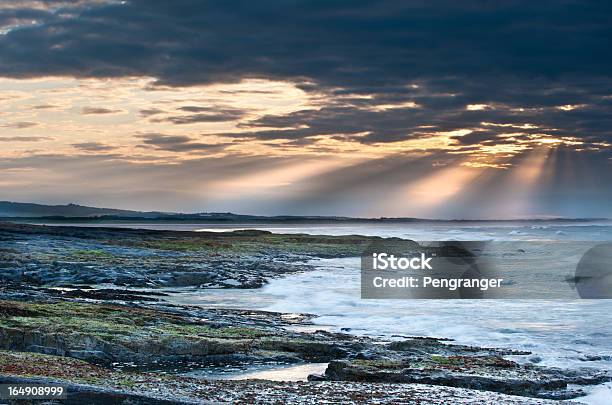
x,y
203,114
523,58
591,122
474,138
161,139
16,16
178,143
358,43
23,13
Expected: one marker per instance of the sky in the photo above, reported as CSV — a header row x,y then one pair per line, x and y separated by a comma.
x,y
432,109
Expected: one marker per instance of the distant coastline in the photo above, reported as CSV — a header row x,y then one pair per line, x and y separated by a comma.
x,y
73,213
246,219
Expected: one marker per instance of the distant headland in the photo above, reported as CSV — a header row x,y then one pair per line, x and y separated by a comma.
x,y
80,213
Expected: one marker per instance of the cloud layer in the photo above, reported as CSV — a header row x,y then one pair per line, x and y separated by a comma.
x,y
445,84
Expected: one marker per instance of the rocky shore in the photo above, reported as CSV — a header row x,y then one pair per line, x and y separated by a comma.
x,y
119,344
66,256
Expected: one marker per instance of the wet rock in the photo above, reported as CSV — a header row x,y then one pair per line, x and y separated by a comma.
x,y
535,359
108,294
105,334
90,384
316,377
489,373
62,255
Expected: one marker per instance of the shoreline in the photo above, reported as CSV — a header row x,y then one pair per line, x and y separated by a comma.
x,y
95,330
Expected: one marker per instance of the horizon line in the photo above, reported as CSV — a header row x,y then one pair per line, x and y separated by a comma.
x,y
258,217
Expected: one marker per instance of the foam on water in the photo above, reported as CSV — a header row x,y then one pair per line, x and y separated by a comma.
x,y
573,333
